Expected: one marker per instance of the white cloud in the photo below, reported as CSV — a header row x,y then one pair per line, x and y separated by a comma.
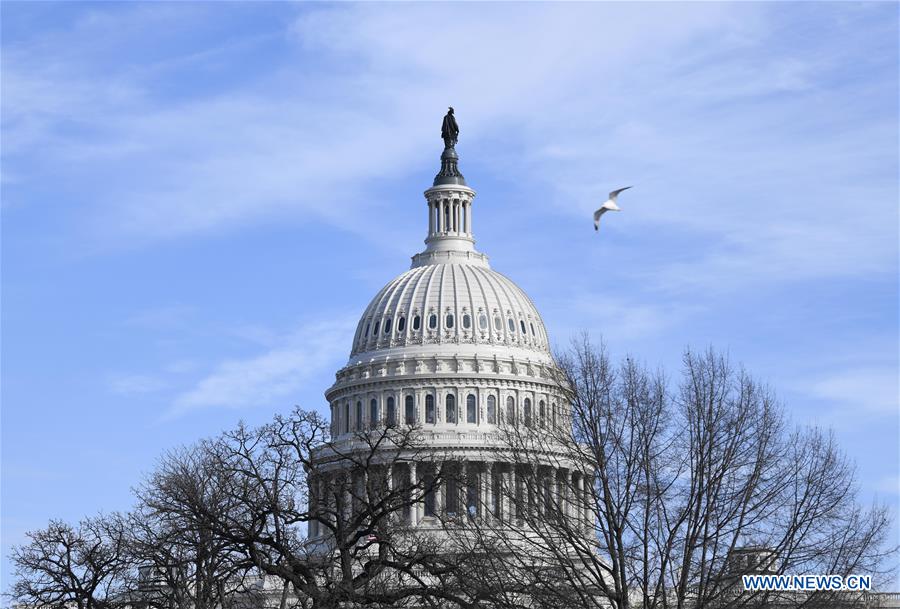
x,y
875,389
275,374
135,384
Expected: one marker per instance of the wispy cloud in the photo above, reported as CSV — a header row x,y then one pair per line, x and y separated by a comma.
x,y
277,373
132,384
872,390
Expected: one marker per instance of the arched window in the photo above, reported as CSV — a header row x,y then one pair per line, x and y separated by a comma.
x,y
374,415
417,322
367,328
492,410
542,414
391,412
510,323
346,417
532,328
450,403
375,333
429,409
482,321
359,415
401,324
410,410
498,323
527,409
511,410
449,320
553,414
467,321
387,325
432,321
471,414
521,325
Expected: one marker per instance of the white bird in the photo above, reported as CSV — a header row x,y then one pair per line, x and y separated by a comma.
x,y
610,205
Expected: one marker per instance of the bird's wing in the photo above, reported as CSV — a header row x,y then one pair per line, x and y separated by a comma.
x,y
615,193
597,215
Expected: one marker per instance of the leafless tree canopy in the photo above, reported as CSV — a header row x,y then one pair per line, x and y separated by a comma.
x,y
671,481
684,475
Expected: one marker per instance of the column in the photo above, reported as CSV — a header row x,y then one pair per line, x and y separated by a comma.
x,y
430,218
440,215
588,510
439,490
414,492
577,497
347,498
488,504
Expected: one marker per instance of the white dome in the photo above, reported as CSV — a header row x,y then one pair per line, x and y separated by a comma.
x,y
446,303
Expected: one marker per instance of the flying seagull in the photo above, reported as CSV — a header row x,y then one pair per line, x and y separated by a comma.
x,y
610,205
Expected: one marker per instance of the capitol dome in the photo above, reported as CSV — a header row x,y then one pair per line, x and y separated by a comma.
x,y
434,306
459,353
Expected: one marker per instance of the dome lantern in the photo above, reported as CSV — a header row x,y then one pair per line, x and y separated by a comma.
x,y
450,238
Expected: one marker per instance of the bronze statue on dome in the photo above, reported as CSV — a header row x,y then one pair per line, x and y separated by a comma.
x,y
449,129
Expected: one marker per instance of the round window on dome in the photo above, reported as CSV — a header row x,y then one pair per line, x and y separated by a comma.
x,y
498,324
432,321
482,321
401,324
449,320
387,325
417,322
511,324
467,321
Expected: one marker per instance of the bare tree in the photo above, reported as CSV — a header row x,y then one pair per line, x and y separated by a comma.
x,y
85,566
679,480
183,564
327,518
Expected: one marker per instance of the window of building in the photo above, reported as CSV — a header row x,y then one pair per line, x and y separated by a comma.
x,y
527,409
432,321
491,410
367,328
410,410
374,415
471,414
532,329
391,413
553,414
482,321
449,320
521,325
375,333
359,415
542,414
452,497
511,410
417,322
467,321
430,495
347,417
450,403
511,324
498,324
401,324
429,409
472,496
387,325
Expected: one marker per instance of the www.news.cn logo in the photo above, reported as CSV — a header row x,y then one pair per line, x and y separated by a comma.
x,y
806,583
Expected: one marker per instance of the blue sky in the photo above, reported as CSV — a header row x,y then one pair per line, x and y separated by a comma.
x,y
200,199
